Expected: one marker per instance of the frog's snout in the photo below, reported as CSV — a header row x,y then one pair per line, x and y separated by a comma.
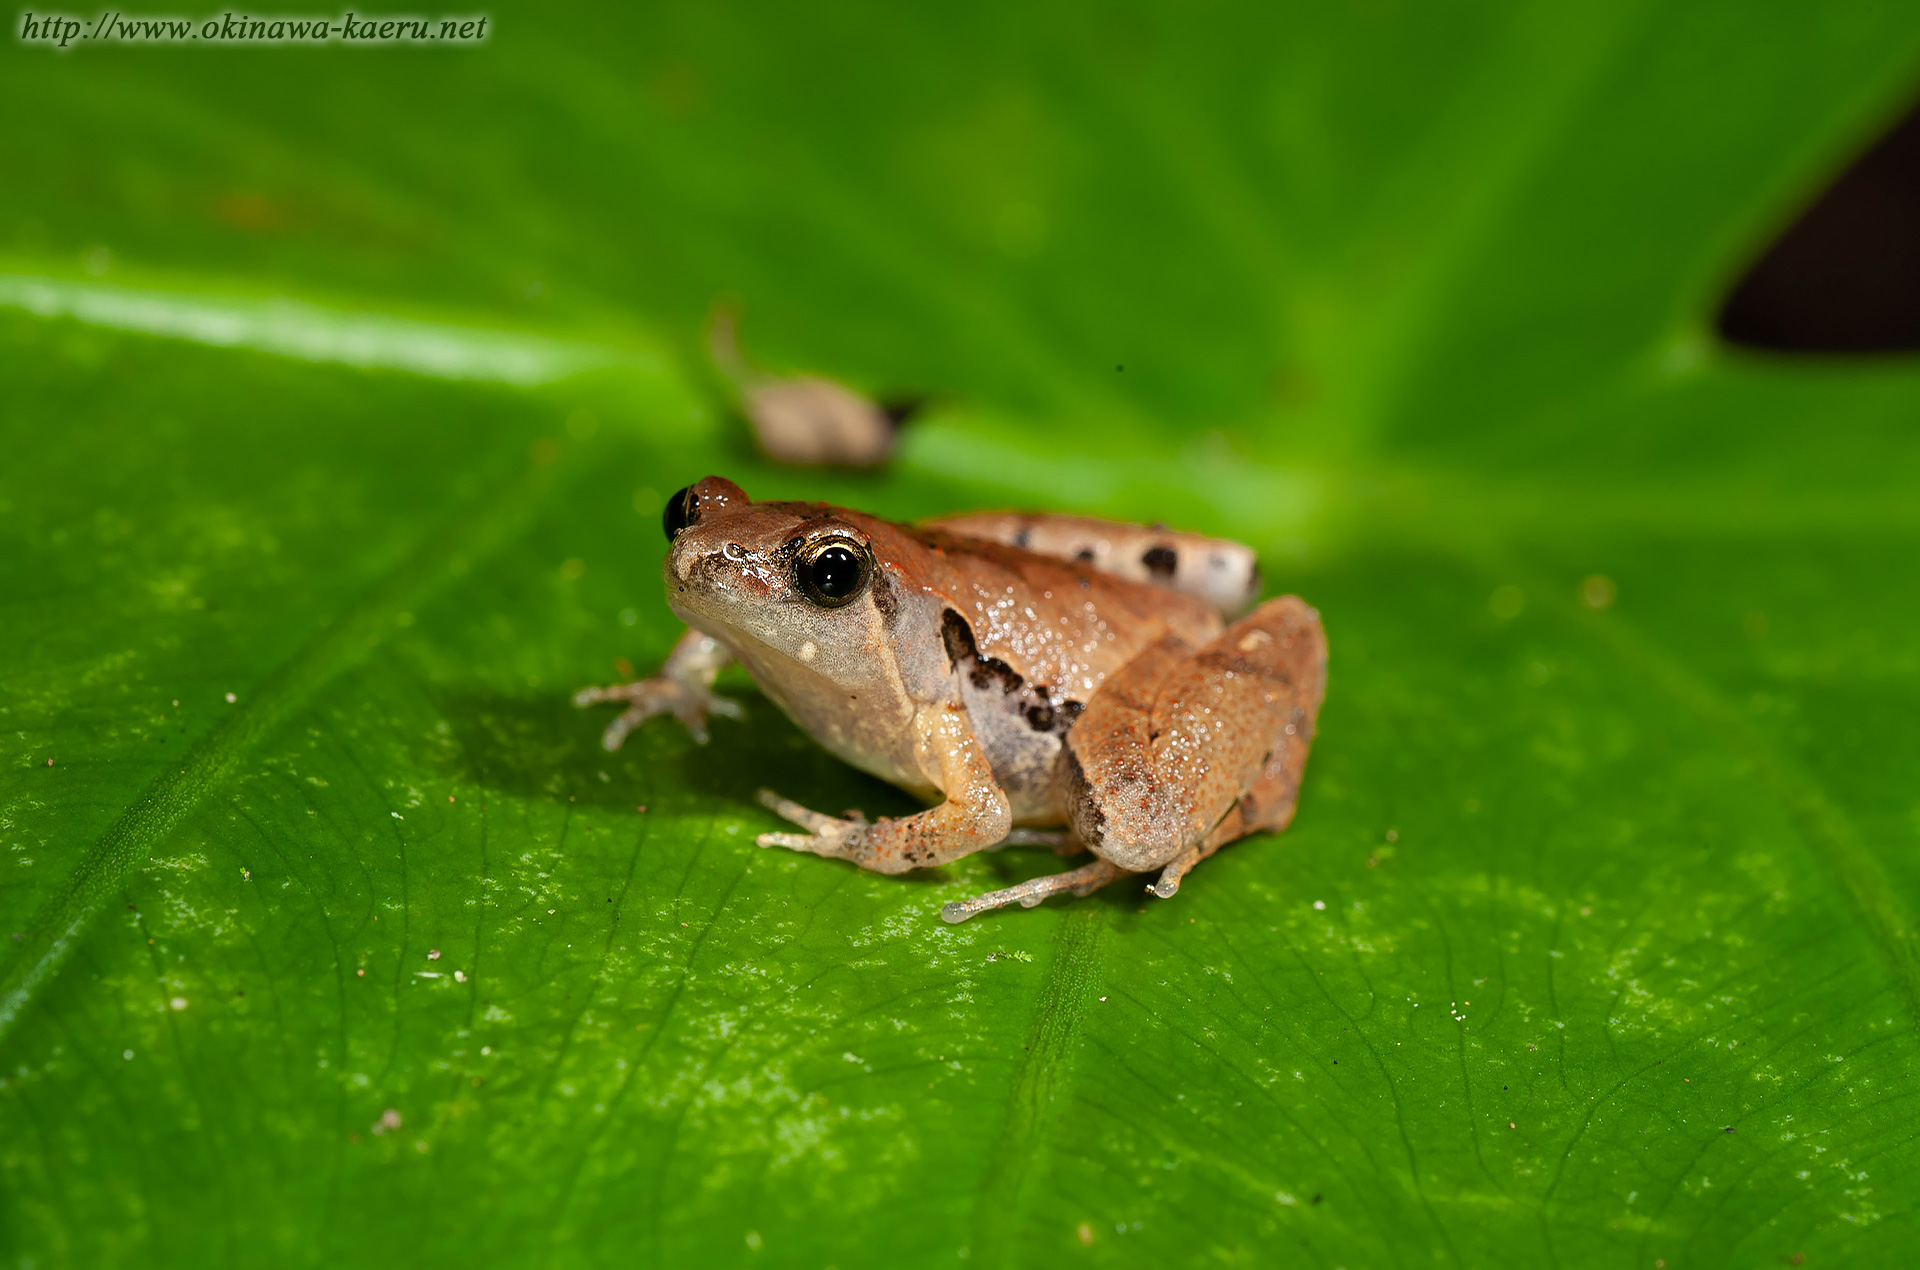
x,y
719,569
680,562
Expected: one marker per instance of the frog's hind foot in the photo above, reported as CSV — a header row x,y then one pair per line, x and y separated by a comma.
x,y
1084,880
1168,884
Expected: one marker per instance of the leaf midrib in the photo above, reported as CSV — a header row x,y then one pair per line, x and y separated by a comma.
x,y
1046,1067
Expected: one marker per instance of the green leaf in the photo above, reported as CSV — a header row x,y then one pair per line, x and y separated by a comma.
x,y
341,390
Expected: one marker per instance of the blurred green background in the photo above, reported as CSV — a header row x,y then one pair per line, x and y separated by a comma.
x,y
339,389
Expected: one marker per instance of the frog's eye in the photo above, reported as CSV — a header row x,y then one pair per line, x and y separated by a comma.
x,y
833,571
682,509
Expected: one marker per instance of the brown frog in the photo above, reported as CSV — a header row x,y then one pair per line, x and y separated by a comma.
x,y
1016,671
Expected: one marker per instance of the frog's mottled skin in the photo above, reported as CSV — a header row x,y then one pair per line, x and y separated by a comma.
x,y
1012,670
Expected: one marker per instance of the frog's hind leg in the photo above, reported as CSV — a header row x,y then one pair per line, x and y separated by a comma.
x,y
1268,805
1084,880
1185,750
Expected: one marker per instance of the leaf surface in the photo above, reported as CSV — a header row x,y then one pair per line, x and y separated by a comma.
x,y
338,940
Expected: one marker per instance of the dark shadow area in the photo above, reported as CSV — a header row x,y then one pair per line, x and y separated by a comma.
x,y
900,408
1844,277
540,748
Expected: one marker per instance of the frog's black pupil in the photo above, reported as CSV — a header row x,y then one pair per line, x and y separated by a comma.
x,y
835,572
679,512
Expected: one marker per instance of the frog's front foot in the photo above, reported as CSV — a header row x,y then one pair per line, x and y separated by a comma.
x,y
688,702
826,835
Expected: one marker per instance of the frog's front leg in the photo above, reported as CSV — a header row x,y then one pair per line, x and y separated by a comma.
x,y
975,815
683,688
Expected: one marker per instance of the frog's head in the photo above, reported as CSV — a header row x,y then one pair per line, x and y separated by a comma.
x,y
797,580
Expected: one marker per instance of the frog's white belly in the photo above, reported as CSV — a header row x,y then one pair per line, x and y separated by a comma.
x,y
868,726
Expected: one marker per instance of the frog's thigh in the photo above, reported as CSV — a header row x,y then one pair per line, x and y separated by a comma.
x,y
1186,749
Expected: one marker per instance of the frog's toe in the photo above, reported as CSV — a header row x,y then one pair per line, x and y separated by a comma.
x,y
1084,880
812,844
1168,884
629,719
594,695
813,821
725,706
839,845
827,835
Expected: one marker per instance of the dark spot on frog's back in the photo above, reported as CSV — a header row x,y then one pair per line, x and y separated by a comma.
x,y
982,670
1161,561
988,671
1053,716
957,636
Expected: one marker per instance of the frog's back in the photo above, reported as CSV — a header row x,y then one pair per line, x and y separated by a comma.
x,y
1060,624
1031,639
1219,571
